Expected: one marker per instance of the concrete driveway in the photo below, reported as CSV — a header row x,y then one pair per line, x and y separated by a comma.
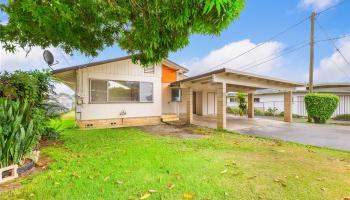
x,y
333,136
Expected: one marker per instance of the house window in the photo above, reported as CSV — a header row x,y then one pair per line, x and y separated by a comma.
x,y
98,91
232,99
176,94
103,91
123,91
257,100
149,69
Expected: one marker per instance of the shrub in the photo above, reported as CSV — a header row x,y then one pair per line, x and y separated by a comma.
x,y
344,117
271,111
259,112
320,107
17,137
233,110
281,114
242,103
34,87
23,115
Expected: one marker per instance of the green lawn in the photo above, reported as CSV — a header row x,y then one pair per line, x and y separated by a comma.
x,y
126,163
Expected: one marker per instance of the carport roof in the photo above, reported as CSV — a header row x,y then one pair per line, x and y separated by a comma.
x,y
238,73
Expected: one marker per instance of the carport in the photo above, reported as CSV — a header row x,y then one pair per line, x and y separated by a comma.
x,y
205,94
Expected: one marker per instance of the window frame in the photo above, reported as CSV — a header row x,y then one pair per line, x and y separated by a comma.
x,y
171,94
118,102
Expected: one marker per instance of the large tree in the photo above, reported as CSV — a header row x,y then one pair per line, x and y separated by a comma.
x,y
146,29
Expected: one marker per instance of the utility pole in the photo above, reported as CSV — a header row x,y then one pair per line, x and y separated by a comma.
x,y
311,69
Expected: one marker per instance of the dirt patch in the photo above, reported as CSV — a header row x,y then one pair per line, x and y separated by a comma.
x,y
48,142
180,131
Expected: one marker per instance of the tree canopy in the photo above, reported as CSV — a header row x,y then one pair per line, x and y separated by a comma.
x,y
146,29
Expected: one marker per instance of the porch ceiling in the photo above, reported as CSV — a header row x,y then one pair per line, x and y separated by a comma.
x,y
67,77
236,81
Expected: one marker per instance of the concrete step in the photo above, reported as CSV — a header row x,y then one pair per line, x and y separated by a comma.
x,y
170,117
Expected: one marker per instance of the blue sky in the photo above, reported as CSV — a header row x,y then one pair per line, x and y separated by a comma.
x,y
258,22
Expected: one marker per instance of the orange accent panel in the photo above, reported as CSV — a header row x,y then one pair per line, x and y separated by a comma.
x,y
168,74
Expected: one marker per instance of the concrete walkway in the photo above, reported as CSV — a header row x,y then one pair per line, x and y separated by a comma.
x,y
333,136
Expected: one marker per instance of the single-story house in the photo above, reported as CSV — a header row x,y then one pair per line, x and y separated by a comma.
x,y
273,99
119,93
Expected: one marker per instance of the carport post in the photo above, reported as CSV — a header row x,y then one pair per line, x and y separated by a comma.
x,y
288,96
250,105
188,98
221,106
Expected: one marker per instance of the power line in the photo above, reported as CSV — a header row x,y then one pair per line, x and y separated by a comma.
x,y
335,46
333,43
271,55
285,52
331,7
288,52
278,34
339,69
266,41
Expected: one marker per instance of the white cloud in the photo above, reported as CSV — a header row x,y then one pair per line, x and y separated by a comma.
x,y
316,4
334,68
34,60
225,53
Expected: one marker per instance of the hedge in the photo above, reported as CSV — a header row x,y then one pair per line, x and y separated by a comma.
x,y
320,107
343,117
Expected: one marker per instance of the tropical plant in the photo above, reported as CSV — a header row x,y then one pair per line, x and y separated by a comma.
x,y
242,103
17,137
148,30
320,107
271,111
24,112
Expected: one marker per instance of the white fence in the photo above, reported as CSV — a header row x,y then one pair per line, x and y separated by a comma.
x,y
298,105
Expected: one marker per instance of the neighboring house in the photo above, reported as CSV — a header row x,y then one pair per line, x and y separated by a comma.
x,y
265,99
118,93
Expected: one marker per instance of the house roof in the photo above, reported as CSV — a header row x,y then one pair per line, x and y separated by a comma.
x,y
330,85
239,73
108,61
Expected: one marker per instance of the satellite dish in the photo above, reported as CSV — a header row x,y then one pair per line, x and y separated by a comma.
x,y
48,57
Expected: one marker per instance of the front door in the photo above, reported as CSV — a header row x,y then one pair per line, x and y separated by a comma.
x,y
194,103
211,103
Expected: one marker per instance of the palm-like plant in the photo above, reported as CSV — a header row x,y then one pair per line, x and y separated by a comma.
x,y
16,132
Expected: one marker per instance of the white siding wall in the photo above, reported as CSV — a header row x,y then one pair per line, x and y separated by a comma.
x,y
167,105
121,70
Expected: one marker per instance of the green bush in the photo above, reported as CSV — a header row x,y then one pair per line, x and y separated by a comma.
x,y
344,117
320,107
242,103
17,137
271,111
281,114
259,112
233,110
24,114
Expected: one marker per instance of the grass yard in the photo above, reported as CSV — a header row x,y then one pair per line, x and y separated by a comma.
x,y
130,164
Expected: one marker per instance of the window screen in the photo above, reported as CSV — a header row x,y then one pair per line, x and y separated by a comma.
x,y
123,91
103,91
146,92
98,91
